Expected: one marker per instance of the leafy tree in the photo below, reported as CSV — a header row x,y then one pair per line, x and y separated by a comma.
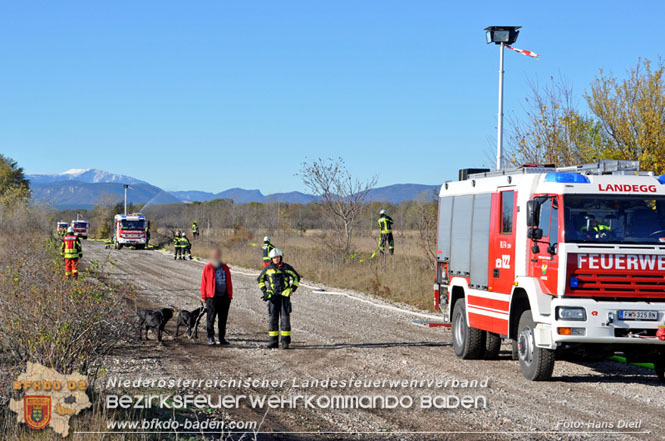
x,y
631,113
554,130
13,184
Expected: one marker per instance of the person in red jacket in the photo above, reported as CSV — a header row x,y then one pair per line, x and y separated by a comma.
x,y
216,293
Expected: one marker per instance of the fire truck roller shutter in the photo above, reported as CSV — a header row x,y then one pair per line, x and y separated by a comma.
x,y
445,222
480,241
460,251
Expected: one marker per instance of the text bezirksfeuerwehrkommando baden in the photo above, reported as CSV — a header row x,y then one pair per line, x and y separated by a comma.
x,y
294,383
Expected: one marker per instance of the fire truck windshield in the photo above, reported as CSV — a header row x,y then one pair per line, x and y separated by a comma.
x,y
622,219
80,225
133,224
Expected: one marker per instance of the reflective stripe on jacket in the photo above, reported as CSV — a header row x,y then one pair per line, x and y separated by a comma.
x,y
278,279
71,247
267,248
385,224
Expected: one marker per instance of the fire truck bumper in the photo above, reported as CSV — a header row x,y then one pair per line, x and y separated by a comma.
x,y
590,321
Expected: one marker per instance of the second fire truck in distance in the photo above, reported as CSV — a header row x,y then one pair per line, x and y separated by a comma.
x,y
81,228
561,261
129,230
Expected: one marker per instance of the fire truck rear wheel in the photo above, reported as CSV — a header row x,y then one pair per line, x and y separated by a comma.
x,y
468,342
536,363
492,346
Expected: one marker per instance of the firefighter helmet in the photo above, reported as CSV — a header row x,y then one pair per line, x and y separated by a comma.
x,y
70,229
184,234
266,239
383,212
276,252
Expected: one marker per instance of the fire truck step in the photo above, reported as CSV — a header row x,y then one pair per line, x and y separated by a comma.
x,y
431,324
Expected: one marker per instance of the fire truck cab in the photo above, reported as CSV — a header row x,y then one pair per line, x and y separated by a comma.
x,y
129,230
562,261
81,228
62,227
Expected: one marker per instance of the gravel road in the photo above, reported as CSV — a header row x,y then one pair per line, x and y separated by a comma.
x,y
340,338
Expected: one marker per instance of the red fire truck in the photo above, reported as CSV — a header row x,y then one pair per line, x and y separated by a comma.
x,y
81,227
129,230
564,262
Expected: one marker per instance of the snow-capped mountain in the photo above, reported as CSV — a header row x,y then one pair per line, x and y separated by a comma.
x,y
87,175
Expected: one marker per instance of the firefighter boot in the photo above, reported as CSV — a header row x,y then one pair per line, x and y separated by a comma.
x,y
273,344
286,339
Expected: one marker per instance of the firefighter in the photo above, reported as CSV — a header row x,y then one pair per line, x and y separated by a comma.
x,y
278,281
195,230
176,246
147,234
596,230
267,248
71,250
386,231
186,247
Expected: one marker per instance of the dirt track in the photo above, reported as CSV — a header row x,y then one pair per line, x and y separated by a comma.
x,y
337,337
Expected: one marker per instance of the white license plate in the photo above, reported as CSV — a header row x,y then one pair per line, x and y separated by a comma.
x,y
638,315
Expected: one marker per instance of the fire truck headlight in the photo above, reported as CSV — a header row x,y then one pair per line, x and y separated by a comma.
x,y
566,313
574,282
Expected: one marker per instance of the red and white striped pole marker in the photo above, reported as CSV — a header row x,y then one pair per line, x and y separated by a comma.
x,y
524,52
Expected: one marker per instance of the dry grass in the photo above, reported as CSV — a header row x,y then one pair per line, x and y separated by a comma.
x,y
405,277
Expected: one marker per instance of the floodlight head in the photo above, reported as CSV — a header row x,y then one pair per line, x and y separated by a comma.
x,y
502,34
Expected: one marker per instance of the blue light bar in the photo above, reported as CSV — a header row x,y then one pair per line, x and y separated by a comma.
x,y
574,282
566,178
661,179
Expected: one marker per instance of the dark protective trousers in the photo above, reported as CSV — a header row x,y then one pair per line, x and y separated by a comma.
x,y
387,239
279,307
177,251
217,306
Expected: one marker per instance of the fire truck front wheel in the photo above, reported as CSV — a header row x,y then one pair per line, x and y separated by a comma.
x,y
536,363
468,342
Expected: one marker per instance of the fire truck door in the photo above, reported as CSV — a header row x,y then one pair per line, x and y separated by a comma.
x,y
502,241
544,259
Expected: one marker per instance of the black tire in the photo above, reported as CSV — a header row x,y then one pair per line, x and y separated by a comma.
x,y
468,342
536,363
492,346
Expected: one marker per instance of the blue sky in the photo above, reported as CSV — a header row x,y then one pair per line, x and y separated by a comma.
x,y
209,95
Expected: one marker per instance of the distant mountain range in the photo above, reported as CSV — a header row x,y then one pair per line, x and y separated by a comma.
x,y
87,175
83,188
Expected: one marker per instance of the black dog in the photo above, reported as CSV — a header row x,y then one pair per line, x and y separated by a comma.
x,y
155,320
190,319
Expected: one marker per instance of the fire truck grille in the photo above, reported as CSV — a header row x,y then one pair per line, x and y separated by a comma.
x,y
617,285
605,276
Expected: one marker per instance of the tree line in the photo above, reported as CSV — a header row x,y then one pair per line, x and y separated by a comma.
x,y
614,118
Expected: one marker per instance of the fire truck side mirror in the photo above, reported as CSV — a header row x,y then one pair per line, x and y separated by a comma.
x,y
534,233
531,214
